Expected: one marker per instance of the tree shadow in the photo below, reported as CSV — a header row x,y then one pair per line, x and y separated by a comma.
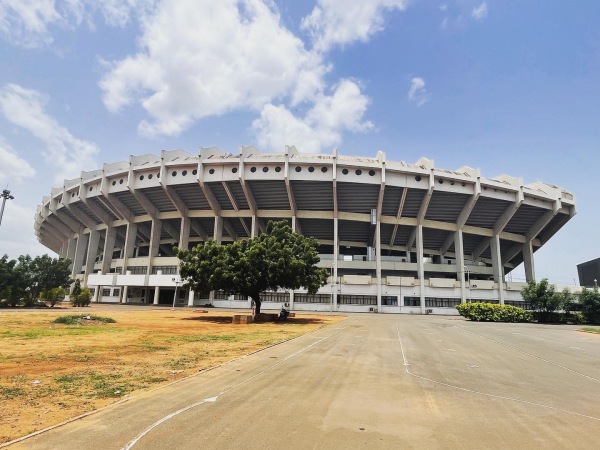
x,y
228,320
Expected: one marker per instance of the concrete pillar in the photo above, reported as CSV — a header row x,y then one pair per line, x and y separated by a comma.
x,y
218,230
336,252
109,246
253,231
421,266
96,297
460,264
92,252
528,262
71,247
154,242
291,300
497,268
191,298
156,295
123,298
82,242
129,247
63,250
184,233
378,262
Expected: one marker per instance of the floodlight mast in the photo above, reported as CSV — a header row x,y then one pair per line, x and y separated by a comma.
x,y
5,196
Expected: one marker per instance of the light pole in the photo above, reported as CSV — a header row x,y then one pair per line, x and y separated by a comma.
x,y
177,282
332,287
5,196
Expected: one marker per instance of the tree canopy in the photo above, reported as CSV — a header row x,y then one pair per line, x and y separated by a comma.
x,y
276,259
26,277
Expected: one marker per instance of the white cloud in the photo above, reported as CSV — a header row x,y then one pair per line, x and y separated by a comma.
x,y
200,59
29,23
68,154
13,168
341,22
417,92
321,127
480,12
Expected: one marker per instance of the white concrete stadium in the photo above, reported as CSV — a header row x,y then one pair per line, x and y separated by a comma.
x,y
397,237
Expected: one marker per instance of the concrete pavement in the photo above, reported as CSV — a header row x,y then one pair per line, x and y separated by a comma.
x,y
372,381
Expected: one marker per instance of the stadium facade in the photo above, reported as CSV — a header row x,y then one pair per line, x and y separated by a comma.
x,y
396,237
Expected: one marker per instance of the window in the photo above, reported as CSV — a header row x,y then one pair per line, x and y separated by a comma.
x,y
220,295
357,300
282,297
105,292
137,270
519,304
240,297
436,302
314,298
412,301
389,300
166,270
116,292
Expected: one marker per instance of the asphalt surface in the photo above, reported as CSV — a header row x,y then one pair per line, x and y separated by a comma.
x,y
372,381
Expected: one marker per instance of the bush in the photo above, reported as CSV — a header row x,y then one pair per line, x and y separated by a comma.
x,y
84,298
590,305
488,312
78,319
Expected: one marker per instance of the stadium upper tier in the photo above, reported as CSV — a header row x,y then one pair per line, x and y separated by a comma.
x,y
128,215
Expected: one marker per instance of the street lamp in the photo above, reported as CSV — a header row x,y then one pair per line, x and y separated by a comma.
x,y
177,282
5,196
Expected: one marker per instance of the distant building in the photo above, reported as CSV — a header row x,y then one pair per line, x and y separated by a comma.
x,y
589,273
396,237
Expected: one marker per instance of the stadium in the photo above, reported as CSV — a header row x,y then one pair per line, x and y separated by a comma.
x,y
396,237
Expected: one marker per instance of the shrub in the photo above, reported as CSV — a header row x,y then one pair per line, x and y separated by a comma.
x,y
590,305
83,298
488,312
78,319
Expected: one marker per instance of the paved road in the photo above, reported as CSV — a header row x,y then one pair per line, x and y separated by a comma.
x,y
372,382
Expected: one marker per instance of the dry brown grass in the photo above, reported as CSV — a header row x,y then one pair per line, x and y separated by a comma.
x,y
51,372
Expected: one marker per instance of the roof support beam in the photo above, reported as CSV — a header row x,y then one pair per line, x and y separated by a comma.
x,y
398,215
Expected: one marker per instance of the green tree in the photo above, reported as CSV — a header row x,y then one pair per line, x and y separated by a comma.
x,y
48,273
75,291
590,305
543,298
276,259
85,297
54,295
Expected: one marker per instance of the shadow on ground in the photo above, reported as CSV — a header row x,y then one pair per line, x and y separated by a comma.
x,y
228,319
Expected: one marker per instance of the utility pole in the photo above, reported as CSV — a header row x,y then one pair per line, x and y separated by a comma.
x,y
5,196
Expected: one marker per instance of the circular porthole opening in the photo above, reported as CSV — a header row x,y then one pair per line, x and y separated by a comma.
x,y
174,173
311,169
298,169
234,170
121,181
184,173
324,169
265,169
358,172
211,171
418,178
150,176
114,182
277,169
195,172
372,173
141,177
345,171
253,169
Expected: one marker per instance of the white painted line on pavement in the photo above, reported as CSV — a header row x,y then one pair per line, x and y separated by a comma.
x,y
512,399
214,399
532,355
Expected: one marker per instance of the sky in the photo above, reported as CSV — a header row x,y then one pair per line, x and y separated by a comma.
x,y
509,87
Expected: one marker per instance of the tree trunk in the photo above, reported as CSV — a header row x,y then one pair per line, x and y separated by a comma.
x,y
257,303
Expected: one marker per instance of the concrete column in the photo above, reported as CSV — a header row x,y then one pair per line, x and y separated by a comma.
x,y
291,300
96,296
79,254
497,268
156,295
460,264
253,231
63,250
109,246
528,262
72,246
92,252
191,298
218,230
421,266
336,252
154,242
378,263
184,233
129,247
294,223
123,298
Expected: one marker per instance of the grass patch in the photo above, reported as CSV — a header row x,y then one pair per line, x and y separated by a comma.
x,y
207,338
80,319
8,393
591,330
35,333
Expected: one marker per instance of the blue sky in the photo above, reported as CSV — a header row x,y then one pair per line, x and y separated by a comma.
x,y
504,86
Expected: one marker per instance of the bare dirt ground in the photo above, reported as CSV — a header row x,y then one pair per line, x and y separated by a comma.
x,y
51,372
